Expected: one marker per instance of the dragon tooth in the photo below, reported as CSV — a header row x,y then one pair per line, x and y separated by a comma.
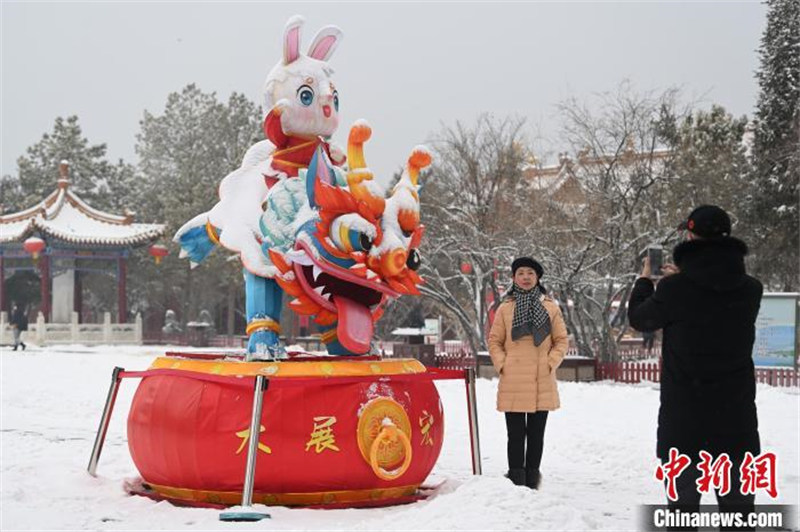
x,y
316,271
319,289
371,274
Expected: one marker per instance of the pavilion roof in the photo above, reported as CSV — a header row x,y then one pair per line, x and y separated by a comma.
x,y
64,216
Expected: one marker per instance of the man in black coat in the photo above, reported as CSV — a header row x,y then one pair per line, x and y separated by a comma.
x,y
707,306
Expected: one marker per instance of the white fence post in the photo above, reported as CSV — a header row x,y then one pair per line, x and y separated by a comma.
x,y
106,327
3,324
73,327
137,329
41,333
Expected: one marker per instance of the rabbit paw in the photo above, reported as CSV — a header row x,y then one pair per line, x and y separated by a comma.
x,y
338,155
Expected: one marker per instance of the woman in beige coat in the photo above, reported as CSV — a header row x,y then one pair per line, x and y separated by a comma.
x,y
527,342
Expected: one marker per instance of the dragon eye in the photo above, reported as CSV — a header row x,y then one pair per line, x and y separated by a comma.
x,y
365,242
414,260
306,95
350,232
336,100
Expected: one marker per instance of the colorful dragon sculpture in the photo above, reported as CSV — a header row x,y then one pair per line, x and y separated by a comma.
x,y
305,224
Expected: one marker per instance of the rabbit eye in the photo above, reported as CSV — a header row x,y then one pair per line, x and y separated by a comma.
x,y
306,95
336,100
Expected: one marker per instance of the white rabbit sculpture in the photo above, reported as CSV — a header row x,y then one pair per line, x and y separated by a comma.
x,y
301,106
305,224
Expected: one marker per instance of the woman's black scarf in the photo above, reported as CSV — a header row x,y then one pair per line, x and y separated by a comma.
x,y
530,316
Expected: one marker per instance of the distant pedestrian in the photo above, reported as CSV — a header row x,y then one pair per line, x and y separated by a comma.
x,y
19,323
527,343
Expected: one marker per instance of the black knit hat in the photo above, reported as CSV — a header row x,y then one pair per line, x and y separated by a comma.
x,y
530,263
708,221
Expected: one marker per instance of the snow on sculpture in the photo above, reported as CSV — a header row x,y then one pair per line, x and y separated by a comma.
x,y
359,431
304,223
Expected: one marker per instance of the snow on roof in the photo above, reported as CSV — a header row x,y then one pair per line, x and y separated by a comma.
x,y
64,216
551,183
550,179
413,331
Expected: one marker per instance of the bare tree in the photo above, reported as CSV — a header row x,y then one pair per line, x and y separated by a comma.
x,y
591,249
639,161
471,207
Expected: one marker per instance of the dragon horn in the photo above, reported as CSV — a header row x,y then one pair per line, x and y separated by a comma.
x,y
359,134
408,213
359,176
420,158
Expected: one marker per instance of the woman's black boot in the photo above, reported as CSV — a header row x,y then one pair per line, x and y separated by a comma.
x,y
533,478
517,476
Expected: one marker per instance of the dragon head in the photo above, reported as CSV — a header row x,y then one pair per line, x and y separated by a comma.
x,y
354,249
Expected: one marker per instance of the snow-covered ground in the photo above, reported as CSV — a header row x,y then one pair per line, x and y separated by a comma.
x,y
598,463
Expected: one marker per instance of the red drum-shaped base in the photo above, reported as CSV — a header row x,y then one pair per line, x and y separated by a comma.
x,y
331,432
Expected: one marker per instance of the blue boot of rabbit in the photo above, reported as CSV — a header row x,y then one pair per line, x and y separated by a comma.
x,y
265,345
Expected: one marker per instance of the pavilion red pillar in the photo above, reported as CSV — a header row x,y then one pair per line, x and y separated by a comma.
x,y
122,298
44,273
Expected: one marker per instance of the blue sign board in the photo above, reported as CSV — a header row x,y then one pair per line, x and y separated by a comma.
x,y
776,331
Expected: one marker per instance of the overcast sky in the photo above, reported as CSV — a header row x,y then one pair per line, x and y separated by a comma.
x,y
405,67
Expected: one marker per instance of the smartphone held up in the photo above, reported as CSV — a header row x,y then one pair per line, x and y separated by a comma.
x,y
655,255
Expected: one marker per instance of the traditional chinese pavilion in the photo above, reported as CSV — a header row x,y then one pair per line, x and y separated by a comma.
x,y
62,237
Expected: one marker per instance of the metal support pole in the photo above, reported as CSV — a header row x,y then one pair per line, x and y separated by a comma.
x,y
472,408
252,448
111,398
246,513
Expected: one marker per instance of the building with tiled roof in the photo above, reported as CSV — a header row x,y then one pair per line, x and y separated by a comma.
x,y
565,183
76,237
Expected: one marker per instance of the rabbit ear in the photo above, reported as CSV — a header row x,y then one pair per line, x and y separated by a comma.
x,y
324,43
291,39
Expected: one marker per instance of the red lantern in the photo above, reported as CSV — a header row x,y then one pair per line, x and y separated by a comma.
x,y
34,246
158,252
466,268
